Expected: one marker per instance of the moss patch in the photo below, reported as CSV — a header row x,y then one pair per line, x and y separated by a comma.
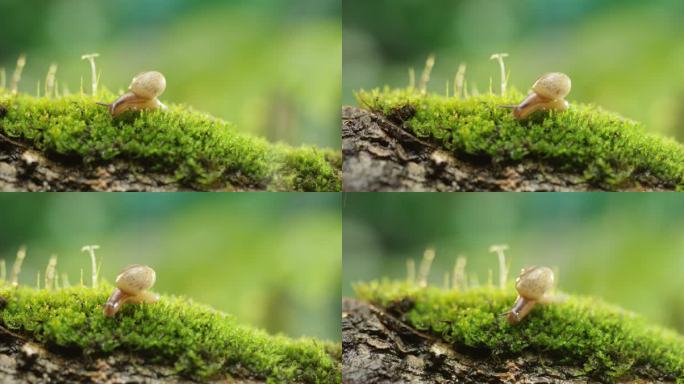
x,y
607,149
605,340
199,150
199,341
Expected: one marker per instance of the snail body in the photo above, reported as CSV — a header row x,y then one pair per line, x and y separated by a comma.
x,y
131,287
532,286
548,93
142,94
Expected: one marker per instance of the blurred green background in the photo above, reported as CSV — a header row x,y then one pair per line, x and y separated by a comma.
x,y
625,248
272,260
624,55
273,67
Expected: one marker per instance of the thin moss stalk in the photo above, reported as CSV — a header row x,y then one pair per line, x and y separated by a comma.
x,y
16,76
499,57
93,70
16,267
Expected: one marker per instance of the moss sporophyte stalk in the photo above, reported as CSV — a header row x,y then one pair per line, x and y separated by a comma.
x,y
606,342
198,341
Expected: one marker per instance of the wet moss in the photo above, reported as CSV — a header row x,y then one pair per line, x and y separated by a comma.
x,y
199,341
199,150
607,341
606,149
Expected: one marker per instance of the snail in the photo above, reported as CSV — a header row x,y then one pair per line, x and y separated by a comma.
x,y
548,93
142,94
131,287
532,285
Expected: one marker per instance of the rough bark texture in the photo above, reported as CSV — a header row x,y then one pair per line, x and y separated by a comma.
x,y
25,362
380,155
26,170
379,348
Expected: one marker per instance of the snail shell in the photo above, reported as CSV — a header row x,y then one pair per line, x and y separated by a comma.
x,y
136,278
534,282
131,287
553,86
142,94
148,85
131,102
548,93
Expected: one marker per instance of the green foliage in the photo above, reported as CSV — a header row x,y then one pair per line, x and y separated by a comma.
x,y
608,150
199,150
606,341
198,340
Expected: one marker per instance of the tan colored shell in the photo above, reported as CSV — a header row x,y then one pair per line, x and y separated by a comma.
x,y
129,101
554,85
142,94
135,279
148,85
534,282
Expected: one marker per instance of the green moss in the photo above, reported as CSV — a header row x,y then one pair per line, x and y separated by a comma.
x,y
199,341
607,341
199,150
608,150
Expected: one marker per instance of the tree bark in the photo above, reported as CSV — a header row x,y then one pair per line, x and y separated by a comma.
x,y
25,170
23,361
379,348
381,155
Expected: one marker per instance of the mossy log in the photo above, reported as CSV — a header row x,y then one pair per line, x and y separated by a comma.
x,y
378,347
404,140
26,170
23,361
72,143
379,155
62,336
401,332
